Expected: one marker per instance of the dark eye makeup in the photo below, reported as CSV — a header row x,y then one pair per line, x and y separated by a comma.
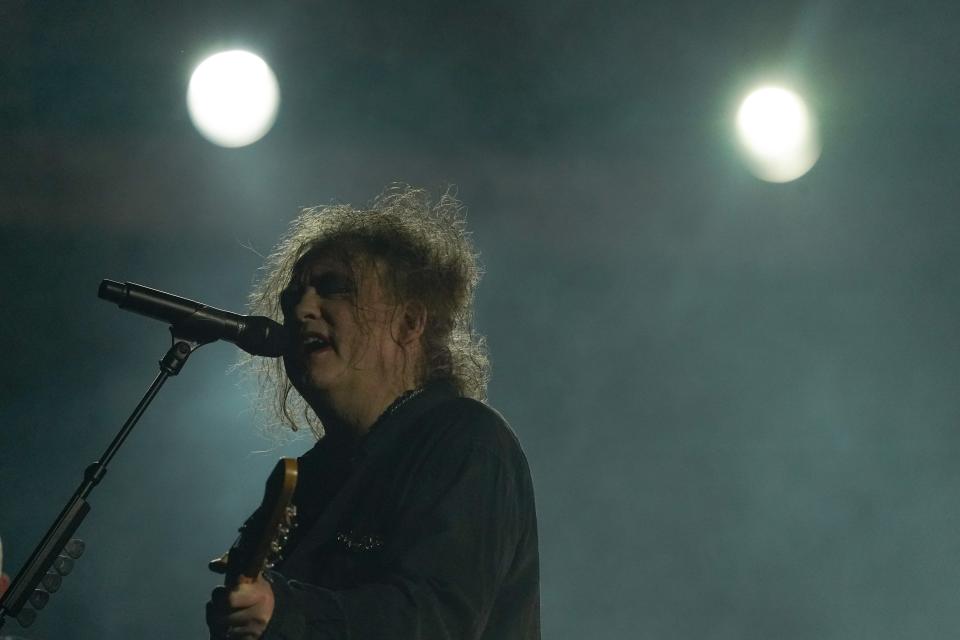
x,y
331,283
326,284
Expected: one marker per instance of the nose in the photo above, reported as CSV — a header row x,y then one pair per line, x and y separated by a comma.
x,y
308,307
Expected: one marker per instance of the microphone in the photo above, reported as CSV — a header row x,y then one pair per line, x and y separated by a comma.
x,y
257,335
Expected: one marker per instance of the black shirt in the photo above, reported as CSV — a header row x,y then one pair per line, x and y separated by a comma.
x,y
425,529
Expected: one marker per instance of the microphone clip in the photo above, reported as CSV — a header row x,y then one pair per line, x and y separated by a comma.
x,y
183,345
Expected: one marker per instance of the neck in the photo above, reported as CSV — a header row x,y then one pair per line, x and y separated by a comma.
x,y
352,414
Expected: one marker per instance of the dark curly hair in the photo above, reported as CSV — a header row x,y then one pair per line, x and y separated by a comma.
x,y
427,258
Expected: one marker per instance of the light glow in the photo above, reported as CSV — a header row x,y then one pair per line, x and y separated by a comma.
x,y
233,98
778,134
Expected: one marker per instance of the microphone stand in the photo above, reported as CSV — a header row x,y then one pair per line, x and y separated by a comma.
x,y
187,337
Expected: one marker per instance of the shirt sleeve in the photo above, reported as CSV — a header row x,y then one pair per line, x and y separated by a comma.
x,y
454,542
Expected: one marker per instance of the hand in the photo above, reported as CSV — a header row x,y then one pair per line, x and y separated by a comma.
x,y
242,612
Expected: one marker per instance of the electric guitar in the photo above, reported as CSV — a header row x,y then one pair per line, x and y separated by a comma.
x,y
263,538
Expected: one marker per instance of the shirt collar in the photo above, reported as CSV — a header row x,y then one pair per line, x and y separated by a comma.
x,y
392,424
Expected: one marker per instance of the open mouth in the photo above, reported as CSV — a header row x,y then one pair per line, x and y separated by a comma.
x,y
313,343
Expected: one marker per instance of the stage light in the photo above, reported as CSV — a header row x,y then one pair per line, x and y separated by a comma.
x,y
233,98
778,134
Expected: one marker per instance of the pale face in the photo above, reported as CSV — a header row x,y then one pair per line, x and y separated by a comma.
x,y
347,349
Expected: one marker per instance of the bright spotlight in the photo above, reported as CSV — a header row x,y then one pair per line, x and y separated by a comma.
x,y
778,134
233,98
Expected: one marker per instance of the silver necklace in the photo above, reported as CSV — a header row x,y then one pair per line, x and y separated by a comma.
x,y
401,400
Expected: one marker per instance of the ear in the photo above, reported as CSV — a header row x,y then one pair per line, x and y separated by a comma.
x,y
413,322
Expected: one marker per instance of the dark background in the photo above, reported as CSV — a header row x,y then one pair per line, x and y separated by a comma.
x,y
738,399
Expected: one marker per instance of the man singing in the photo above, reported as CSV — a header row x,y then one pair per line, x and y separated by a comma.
x,y
415,512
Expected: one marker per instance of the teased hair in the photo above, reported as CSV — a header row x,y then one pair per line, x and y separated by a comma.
x,y
428,259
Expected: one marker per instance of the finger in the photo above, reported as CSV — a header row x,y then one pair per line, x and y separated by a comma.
x,y
248,595
245,619
242,633
242,596
238,618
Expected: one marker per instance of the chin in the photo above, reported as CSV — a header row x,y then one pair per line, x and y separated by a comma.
x,y
317,384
